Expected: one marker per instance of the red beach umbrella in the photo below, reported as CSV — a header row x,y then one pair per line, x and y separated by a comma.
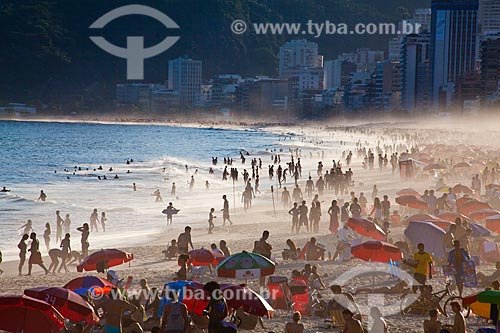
x,y
408,191
451,216
471,206
110,257
412,202
28,315
493,223
376,251
69,304
483,213
366,228
201,257
459,188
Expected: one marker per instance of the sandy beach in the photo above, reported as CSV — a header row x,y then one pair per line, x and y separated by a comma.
x,y
314,141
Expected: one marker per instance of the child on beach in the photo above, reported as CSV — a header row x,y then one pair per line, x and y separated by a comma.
x,y
211,218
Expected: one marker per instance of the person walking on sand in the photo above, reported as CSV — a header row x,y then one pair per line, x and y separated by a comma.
x,y
42,196
457,258
211,218
225,211
295,217
65,251
85,239
94,219
334,212
46,236
67,224
35,256
303,210
285,198
172,191
379,325
103,221
23,248
59,226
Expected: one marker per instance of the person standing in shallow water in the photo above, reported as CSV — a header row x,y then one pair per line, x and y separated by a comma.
x,y
85,239
94,218
35,256
46,236
225,211
42,196
59,226
103,221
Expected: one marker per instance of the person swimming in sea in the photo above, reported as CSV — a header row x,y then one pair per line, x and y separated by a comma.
x,y
4,189
42,196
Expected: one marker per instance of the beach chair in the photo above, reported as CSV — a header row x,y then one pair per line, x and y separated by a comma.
x,y
489,251
299,288
279,291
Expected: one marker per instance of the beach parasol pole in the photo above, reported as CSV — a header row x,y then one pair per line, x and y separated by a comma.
x,y
274,207
234,199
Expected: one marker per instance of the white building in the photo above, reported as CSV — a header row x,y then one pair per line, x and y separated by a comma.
x,y
297,54
184,77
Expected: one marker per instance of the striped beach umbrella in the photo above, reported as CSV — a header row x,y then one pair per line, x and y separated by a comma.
x,y
245,265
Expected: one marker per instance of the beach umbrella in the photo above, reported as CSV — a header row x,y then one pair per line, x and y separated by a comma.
x,y
451,216
422,217
408,191
483,213
366,228
94,284
69,304
428,234
444,189
478,230
461,165
201,257
28,315
190,294
471,206
459,188
412,202
245,265
463,200
376,251
493,223
108,257
241,296
489,296
443,224
434,166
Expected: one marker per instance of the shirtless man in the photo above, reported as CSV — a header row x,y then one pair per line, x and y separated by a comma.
x,y
432,325
184,241
114,309
459,325
351,325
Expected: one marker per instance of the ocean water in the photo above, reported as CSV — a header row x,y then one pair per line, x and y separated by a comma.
x,y
34,155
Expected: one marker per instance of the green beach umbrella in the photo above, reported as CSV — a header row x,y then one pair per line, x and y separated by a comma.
x,y
245,265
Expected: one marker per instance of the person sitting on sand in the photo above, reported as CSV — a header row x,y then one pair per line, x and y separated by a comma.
x,y
314,252
432,325
223,247
306,272
292,252
485,280
315,279
172,250
295,326
352,325
182,273
399,288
